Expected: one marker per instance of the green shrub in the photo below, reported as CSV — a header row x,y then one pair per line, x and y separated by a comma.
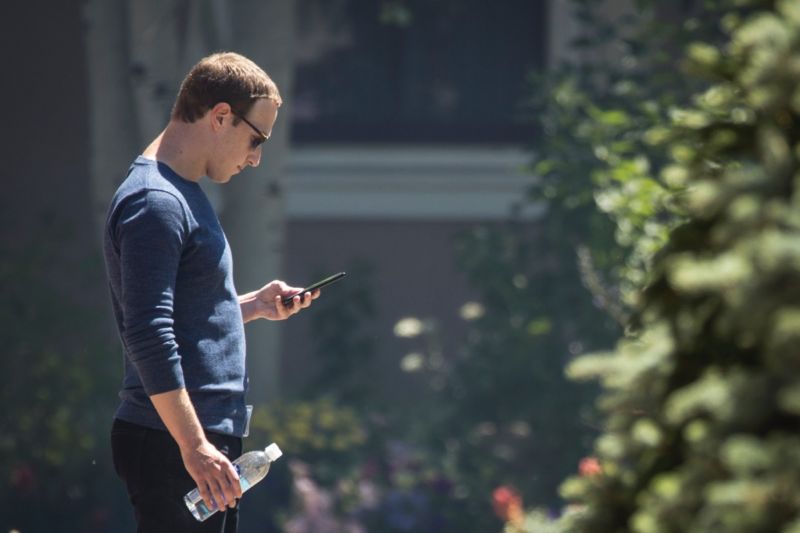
x,y
701,400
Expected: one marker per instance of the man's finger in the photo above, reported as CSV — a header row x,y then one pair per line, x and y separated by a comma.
x,y
205,493
283,310
233,479
230,485
219,494
230,490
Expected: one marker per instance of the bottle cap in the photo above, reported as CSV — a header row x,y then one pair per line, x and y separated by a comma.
x,y
273,452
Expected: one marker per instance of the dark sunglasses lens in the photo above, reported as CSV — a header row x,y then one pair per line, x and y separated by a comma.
x,y
255,142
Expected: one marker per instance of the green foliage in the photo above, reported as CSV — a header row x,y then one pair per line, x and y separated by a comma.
x,y
540,521
53,428
512,416
348,445
318,432
702,428
599,161
608,194
344,351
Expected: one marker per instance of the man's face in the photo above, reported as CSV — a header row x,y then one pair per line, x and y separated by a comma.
x,y
240,146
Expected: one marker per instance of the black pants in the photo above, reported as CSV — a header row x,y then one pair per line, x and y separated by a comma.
x,y
149,462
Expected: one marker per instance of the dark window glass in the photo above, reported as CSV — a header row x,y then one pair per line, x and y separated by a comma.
x,y
415,70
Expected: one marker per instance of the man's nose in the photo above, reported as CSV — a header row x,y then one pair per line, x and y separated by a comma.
x,y
254,159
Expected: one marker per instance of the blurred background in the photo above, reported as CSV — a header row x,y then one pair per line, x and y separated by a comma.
x,y
444,153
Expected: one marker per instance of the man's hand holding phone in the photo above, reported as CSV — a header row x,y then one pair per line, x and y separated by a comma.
x,y
290,300
278,301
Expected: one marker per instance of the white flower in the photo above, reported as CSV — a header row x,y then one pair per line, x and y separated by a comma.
x,y
409,327
471,311
412,362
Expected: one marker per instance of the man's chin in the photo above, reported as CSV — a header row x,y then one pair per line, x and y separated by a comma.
x,y
221,179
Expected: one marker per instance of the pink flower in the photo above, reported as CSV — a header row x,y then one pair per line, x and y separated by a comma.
x,y
590,467
507,504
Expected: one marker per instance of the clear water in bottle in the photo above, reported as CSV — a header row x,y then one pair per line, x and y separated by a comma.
x,y
251,467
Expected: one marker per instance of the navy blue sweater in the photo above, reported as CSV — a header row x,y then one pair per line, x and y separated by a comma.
x,y
171,278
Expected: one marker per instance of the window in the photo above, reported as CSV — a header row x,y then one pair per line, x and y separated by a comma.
x,y
454,72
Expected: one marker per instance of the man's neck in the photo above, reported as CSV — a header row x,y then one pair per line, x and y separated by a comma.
x,y
177,146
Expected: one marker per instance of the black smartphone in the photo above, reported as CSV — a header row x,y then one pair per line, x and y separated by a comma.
x,y
314,286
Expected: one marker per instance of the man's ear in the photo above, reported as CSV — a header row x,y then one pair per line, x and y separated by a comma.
x,y
218,114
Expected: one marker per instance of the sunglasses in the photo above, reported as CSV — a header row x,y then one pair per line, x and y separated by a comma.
x,y
255,142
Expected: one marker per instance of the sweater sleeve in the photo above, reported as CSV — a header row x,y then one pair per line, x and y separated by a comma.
x,y
150,232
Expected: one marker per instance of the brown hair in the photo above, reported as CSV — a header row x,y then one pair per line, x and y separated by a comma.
x,y
223,77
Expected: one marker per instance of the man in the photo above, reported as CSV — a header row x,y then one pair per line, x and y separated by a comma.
x,y
182,412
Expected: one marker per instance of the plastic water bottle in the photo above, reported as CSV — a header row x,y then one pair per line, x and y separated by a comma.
x,y
251,467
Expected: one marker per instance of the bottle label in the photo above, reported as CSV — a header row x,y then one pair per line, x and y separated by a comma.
x,y
203,510
243,481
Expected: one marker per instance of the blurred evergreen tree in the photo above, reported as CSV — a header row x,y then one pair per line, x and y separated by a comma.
x,y
703,398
